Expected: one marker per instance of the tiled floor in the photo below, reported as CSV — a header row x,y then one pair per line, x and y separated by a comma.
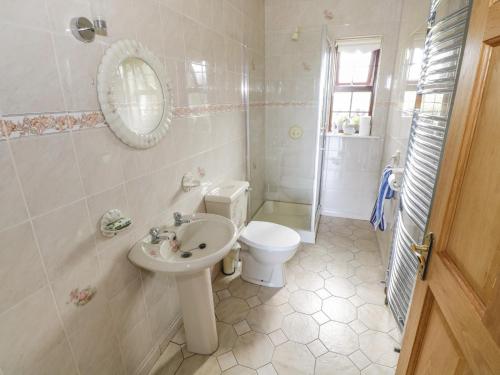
x,y
329,319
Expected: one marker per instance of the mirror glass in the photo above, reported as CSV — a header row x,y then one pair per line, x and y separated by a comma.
x,y
138,95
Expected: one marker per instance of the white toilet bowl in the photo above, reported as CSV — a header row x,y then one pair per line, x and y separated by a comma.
x,y
266,248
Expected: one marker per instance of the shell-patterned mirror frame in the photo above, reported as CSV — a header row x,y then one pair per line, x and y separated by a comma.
x,y
113,57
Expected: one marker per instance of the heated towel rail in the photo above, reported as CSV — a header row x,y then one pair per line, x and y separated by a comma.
x,y
443,51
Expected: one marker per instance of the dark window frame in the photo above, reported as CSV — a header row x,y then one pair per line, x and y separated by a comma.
x,y
368,86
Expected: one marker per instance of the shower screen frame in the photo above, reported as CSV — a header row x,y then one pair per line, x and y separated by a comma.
x,y
327,75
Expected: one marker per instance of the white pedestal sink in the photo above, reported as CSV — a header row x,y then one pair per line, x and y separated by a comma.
x,y
204,241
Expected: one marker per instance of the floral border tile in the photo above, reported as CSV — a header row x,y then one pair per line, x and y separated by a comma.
x,y
50,123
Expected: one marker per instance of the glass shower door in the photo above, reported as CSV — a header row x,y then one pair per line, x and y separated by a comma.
x,y
324,110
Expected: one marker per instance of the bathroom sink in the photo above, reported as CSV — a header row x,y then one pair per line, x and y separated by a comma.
x,y
188,251
199,244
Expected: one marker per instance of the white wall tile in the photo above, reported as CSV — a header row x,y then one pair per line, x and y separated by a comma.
x,y
11,199
30,63
351,176
33,340
70,180
48,171
21,271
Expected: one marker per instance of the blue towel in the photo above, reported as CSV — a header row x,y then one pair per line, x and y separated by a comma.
x,y
384,192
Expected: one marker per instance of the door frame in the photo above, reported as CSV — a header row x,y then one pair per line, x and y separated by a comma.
x,y
463,122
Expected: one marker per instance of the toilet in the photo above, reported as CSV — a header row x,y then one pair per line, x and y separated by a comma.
x,y
265,247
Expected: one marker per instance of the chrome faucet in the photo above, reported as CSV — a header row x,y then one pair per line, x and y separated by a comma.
x,y
180,219
157,236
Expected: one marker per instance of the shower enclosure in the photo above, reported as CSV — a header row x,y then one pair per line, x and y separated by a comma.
x,y
285,155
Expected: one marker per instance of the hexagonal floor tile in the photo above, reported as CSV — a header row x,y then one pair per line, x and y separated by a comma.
x,y
305,302
315,250
253,350
339,309
227,338
371,293
239,370
273,296
333,363
292,358
300,328
313,263
265,318
242,289
364,234
339,338
232,310
370,274
342,256
342,241
309,281
362,224
278,337
223,281
375,369
376,317
366,244
340,287
340,269
341,230
317,348
366,258
199,365
379,348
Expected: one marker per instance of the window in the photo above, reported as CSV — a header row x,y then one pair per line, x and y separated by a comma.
x,y
414,57
356,74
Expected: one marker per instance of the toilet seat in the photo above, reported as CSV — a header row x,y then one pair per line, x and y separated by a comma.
x,y
269,237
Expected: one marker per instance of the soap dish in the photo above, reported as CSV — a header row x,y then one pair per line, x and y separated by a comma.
x,y
113,222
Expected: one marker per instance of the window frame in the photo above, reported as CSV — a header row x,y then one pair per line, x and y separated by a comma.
x,y
368,86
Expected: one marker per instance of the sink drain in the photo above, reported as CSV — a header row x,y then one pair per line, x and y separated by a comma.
x,y
186,254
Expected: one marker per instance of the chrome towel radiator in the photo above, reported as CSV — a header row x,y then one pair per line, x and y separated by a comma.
x,y
435,93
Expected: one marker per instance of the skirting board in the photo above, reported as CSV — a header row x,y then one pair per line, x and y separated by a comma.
x,y
159,347
346,215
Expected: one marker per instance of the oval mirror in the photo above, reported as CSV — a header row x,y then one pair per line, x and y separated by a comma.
x,y
134,94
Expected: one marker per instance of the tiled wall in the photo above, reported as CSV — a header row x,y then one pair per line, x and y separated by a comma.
x,y
292,74
350,176
411,35
57,180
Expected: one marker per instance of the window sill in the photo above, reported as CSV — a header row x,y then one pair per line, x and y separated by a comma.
x,y
340,135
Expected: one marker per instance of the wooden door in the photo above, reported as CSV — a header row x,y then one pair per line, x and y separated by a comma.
x,y
454,321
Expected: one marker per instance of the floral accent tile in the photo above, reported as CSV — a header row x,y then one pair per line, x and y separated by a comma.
x,y
328,14
80,297
50,123
33,125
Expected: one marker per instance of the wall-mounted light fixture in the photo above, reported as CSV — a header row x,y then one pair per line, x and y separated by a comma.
x,y
84,29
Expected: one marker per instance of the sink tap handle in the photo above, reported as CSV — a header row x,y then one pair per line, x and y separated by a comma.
x,y
155,235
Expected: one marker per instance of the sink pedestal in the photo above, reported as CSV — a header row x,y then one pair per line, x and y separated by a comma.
x,y
197,304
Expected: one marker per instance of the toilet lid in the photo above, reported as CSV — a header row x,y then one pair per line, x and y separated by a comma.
x,y
269,236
